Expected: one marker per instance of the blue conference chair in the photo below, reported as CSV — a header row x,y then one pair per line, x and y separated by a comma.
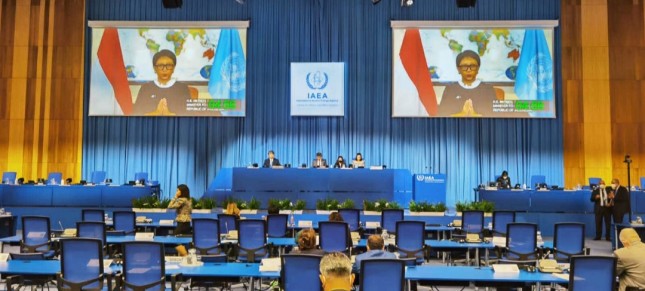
x,y
642,182
54,178
144,267
334,236
9,177
252,240
537,180
91,229
206,236
409,240
594,181
592,273
389,217
36,235
521,244
98,177
124,222
26,280
300,272
472,221
227,222
568,240
277,225
501,219
85,252
141,176
352,217
97,215
382,274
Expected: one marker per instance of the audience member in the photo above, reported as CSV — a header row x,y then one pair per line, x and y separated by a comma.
x,y
335,216
631,261
306,240
231,208
336,272
184,207
375,250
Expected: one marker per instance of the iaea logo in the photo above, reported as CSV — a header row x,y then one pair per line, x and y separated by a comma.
x,y
317,80
420,178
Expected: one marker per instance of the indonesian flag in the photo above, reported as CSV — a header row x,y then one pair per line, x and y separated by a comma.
x,y
110,58
414,62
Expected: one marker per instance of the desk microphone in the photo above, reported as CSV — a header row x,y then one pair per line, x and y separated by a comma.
x,y
226,226
61,225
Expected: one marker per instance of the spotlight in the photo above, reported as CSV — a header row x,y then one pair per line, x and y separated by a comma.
x,y
240,1
466,3
375,1
406,3
170,4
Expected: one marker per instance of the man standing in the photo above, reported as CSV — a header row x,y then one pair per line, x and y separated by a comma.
x,y
602,209
631,261
271,160
621,201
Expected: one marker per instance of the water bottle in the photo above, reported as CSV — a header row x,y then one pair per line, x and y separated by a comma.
x,y
384,234
578,187
524,186
292,220
106,218
540,242
639,220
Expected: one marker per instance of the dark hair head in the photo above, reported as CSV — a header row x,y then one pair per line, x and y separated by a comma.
x,y
375,242
335,216
340,158
504,173
318,154
185,192
307,239
468,54
273,209
164,53
359,154
271,152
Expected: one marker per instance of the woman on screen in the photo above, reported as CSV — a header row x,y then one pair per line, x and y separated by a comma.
x,y
469,97
184,207
358,161
163,96
340,162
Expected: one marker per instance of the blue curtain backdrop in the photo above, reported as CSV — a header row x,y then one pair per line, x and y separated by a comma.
x,y
193,150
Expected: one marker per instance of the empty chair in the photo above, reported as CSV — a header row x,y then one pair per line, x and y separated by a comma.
x,y
352,217
334,236
252,240
593,181
141,176
277,225
85,252
54,178
382,274
144,267
97,215
98,177
389,217
9,177
568,240
500,220
206,236
521,244
227,222
537,180
27,280
472,221
91,229
124,222
300,272
592,273
36,236
409,240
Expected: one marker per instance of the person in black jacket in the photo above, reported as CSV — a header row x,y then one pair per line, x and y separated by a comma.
x,y
504,181
602,198
621,201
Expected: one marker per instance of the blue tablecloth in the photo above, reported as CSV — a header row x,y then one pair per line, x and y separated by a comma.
x,y
71,196
539,201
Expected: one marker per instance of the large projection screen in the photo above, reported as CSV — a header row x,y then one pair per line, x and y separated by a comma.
x,y
168,68
497,69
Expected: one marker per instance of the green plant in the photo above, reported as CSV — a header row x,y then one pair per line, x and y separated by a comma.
x,y
150,202
254,204
485,206
327,204
424,206
380,205
207,203
347,204
300,205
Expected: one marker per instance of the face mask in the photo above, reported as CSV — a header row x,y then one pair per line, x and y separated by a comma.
x,y
613,186
601,185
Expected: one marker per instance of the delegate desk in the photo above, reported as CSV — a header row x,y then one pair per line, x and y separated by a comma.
x,y
71,196
479,276
539,201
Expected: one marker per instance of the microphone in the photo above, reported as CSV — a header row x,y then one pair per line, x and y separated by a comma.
x,y
546,255
61,225
226,226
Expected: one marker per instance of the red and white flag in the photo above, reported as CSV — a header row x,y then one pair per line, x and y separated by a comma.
x,y
414,62
110,58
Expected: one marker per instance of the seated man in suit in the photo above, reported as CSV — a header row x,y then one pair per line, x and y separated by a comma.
x,y
319,162
631,261
375,250
271,160
336,272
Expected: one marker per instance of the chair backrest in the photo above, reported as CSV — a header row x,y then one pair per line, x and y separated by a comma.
x,y
389,217
206,235
568,239
54,178
592,273
537,179
227,222
124,221
300,272
352,217
594,181
410,235
277,225
334,236
642,182
141,176
97,215
472,221
143,263
27,256
521,238
382,274
252,239
98,177
9,178
91,229
85,252
36,231
501,219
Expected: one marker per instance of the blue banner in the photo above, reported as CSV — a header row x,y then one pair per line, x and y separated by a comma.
x,y
430,188
228,73
534,79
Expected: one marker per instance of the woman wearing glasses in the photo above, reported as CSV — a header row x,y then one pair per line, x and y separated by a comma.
x,y
469,97
163,96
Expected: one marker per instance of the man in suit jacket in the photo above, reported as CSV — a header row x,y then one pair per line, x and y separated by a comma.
x,y
319,162
271,161
621,201
631,260
375,250
601,198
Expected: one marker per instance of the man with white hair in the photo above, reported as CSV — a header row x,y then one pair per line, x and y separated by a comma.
x,y
631,261
336,272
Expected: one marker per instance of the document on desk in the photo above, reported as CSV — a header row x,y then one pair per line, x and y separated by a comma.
x,y
270,265
561,276
506,268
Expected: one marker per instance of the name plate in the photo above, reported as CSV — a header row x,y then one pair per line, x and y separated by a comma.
x,y
144,236
166,222
305,223
372,224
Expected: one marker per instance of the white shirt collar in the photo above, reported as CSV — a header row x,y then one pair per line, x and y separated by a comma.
x,y
471,86
167,85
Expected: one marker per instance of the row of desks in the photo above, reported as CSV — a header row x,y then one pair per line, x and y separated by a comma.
x,y
71,196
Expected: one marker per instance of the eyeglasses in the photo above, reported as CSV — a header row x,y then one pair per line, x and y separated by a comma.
x,y
166,67
469,67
